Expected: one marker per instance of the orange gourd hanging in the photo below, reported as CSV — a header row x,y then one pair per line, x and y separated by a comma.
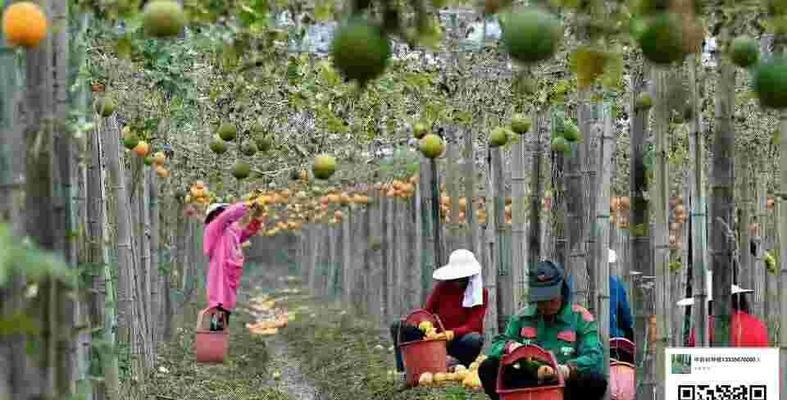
x,y
24,24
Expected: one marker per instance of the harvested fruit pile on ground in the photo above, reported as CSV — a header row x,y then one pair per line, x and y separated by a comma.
x,y
269,317
468,378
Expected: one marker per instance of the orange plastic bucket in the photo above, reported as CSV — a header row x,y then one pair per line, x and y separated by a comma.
x,y
211,347
552,392
429,355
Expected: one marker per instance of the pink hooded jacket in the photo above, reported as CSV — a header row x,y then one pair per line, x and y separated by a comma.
x,y
222,244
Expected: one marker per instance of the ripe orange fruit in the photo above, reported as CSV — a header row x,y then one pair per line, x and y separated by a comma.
x,y
142,148
161,171
24,24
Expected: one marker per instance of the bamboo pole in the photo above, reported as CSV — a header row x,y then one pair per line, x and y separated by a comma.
x,y
536,193
722,206
452,187
518,210
347,265
782,285
661,246
439,250
468,153
491,323
502,249
427,228
103,311
120,211
601,229
639,239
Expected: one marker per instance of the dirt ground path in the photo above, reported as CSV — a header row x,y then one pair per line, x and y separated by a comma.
x,y
290,378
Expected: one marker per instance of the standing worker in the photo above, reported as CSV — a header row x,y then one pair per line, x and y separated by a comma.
x,y
621,320
746,330
224,234
554,323
459,300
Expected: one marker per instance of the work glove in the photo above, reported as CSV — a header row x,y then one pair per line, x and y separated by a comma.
x,y
513,346
565,371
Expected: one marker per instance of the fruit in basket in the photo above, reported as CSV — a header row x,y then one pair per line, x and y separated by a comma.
x,y
474,366
425,326
425,379
440,377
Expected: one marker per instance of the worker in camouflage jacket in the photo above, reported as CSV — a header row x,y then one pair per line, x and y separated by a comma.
x,y
553,322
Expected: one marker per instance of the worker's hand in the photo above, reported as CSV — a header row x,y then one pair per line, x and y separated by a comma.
x,y
545,372
513,346
449,335
565,371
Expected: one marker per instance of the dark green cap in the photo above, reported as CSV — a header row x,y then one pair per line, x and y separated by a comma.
x,y
546,281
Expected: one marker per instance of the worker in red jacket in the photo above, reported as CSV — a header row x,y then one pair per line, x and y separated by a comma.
x,y
459,300
746,330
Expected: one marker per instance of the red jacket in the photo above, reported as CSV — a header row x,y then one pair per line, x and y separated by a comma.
x,y
745,331
446,301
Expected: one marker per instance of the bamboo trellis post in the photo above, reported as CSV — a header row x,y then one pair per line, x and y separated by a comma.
x,y
661,245
491,323
347,264
427,228
607,139
639,238
536,188
782,281
468,153
399,293
518,210
502,250
574,224
760,273
452,187
388,250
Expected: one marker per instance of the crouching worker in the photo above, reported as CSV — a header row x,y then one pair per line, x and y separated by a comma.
x,y
554,323
459,300
222,244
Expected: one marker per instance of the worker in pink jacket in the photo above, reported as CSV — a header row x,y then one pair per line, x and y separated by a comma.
x,y
224,234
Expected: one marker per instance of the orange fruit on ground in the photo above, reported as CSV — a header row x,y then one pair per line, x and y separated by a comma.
x,y
142,148
24,24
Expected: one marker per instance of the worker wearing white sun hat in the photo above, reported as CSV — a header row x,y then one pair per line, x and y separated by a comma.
x,y
746,330
460,300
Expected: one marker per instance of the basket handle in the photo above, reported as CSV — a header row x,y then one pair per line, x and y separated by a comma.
x,y
201,316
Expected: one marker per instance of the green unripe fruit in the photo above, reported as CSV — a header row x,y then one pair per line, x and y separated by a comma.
x,y
420,130
644,102
241,170
498,137
531,35
163,18
744,51
148,160
431,146
570,132
560,145
770,83
520,124
249,149
218,146
227,132
130,139
360,51
105,107
323,166
661,40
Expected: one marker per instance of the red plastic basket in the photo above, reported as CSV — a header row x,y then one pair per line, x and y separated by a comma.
x,y
551,392
622,346
211,347
427,355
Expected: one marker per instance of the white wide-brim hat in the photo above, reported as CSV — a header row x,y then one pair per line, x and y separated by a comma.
x,y
213,207
735,289
461,264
